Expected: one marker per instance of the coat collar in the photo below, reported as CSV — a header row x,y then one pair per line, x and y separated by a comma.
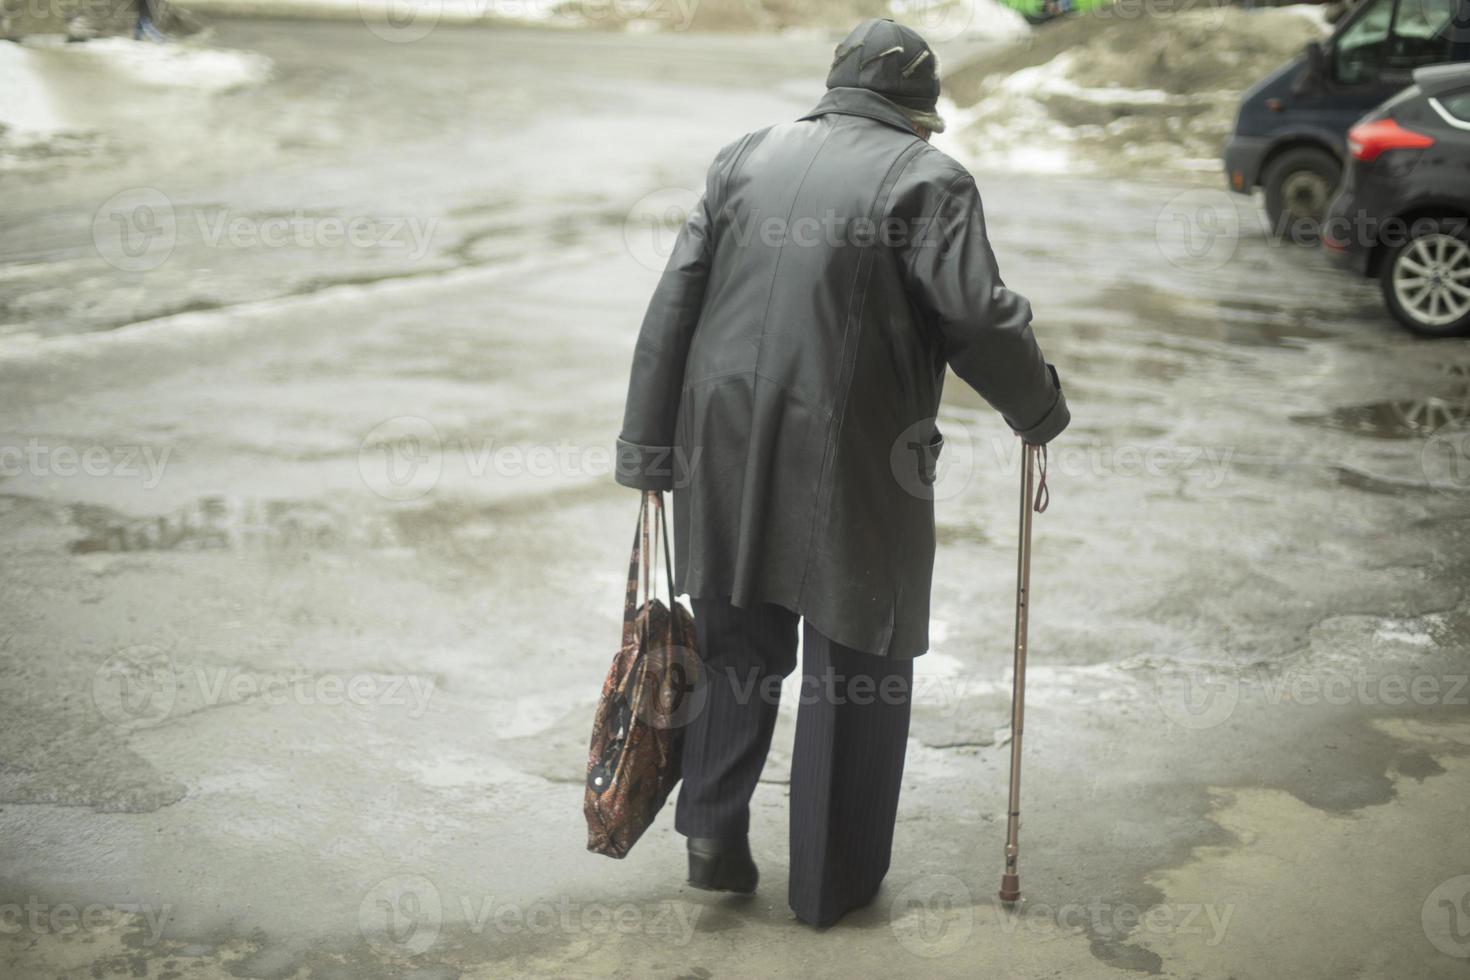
x,y
861,102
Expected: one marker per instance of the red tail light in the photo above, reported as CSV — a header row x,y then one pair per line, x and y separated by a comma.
x,y
1371,140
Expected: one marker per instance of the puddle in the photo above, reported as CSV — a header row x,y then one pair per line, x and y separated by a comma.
x,y
1369,483
1276,325
1237,322
1393,419
1405,418
1398,927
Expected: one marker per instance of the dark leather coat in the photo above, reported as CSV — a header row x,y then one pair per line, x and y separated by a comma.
x,y
787,376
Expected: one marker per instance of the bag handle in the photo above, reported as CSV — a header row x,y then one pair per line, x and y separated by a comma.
x,y
630,602
640,572
645,529
668,560
663,522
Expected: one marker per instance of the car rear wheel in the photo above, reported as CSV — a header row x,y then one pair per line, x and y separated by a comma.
x,y
1299,186
1426,281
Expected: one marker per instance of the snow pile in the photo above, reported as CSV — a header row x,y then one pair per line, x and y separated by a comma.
x,y
1102,93
937,20
395,19
947,20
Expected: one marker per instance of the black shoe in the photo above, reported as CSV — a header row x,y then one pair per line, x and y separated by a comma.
x,y
722,865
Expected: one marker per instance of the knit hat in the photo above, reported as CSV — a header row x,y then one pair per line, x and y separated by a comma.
x,y
894,61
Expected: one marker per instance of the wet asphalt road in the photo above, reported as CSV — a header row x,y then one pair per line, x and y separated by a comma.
x,y
311,563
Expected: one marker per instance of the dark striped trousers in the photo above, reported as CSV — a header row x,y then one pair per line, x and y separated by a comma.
x,y
852,725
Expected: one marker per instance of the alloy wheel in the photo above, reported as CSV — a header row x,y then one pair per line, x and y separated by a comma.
x,y
1431,279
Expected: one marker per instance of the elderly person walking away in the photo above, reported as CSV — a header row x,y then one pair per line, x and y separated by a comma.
x,y
785,387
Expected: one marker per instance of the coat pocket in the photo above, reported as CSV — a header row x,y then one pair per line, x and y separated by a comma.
x,y
929,459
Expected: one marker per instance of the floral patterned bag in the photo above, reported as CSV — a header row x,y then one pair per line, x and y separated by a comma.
x,y
650,693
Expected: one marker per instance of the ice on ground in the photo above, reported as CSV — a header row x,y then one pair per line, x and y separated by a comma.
x,y
200,69
1409,632
29,106
1101,93
70,93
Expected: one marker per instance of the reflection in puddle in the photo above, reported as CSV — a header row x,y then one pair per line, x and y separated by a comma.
x,y
1405,418
1402,419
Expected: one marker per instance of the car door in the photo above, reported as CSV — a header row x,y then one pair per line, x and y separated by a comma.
x,y
1452,134
1375,55
1460,33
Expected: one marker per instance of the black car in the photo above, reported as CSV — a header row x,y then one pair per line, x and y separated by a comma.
x,y
1288,137
1402,212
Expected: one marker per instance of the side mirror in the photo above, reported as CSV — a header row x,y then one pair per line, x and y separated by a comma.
x,y
1316,58
1316,70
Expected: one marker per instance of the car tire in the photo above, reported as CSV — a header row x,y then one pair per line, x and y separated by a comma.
x,y
1299,185
1438,252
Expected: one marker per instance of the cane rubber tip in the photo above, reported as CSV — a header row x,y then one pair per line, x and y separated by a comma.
x,y
1010,888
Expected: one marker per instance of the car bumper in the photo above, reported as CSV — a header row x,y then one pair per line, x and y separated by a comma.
x,y
1243,156
1344,256
1347,244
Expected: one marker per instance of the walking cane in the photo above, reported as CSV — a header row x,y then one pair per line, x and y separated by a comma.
x,y
1033,462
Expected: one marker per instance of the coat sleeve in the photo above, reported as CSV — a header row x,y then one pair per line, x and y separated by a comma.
x,y
985,328
645,458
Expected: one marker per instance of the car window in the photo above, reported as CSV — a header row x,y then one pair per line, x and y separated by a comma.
x,y
1421,36
1457,105
1362,49
1385,44
1423,19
